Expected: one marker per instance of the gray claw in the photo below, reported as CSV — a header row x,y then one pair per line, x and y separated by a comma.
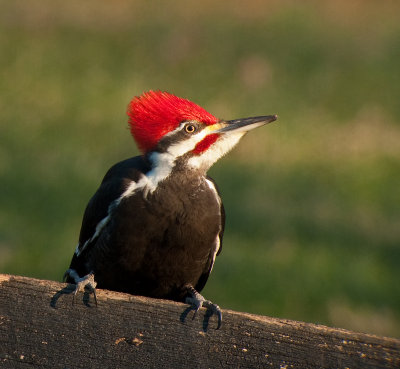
x,y
215,309
86,282
198,301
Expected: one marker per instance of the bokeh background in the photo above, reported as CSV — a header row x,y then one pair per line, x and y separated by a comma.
x,y
313,201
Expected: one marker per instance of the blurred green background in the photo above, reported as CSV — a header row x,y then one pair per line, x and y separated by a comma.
x,y
313,201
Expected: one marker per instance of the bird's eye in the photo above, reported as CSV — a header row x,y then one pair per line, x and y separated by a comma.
x,y
190,128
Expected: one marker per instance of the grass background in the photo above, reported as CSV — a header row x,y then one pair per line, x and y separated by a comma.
x,y
313,201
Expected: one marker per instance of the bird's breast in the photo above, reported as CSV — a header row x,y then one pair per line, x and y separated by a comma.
x,y
169,235
177,214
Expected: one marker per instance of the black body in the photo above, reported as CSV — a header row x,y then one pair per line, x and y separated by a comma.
x,y
158,244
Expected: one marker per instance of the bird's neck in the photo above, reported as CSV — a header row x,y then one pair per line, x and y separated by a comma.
x,y
166,167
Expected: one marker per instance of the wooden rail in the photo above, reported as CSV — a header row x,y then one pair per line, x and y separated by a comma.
x,y
40,328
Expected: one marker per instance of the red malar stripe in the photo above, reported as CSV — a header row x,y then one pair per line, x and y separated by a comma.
x,y
205,143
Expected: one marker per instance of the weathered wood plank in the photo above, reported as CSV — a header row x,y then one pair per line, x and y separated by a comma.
x,y
40,327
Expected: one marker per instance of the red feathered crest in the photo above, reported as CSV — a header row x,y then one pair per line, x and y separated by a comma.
x,y
155,113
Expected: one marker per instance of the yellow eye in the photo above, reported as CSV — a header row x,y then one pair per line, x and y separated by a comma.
x,y
190,128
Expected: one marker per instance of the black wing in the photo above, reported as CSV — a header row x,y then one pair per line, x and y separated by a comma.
x,y
112,187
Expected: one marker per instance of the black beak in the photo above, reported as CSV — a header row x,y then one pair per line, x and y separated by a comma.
x,y
246,124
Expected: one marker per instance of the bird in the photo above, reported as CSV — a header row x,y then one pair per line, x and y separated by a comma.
x,y
155,224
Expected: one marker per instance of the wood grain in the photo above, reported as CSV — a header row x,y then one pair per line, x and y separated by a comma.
x,y
39,327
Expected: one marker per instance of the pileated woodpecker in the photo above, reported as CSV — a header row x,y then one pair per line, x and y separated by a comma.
x,y
155,225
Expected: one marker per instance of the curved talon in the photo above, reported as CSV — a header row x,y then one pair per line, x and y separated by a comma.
x,y
215,309
219,314
195,313
197,301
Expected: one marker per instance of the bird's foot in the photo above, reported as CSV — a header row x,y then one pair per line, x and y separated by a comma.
x,y
85,283
198,301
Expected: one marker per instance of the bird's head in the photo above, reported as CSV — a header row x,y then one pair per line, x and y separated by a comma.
x,y
183,131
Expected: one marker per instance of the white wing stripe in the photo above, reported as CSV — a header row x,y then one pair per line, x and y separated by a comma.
x,y
162,169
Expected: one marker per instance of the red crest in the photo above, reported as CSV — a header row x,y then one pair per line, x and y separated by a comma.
x,y
155,113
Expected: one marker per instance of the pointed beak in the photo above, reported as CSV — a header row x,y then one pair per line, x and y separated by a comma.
x,y
245,124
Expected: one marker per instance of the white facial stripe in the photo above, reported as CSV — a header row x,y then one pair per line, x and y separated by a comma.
x,y
177,129
163,163
187,145
222,146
